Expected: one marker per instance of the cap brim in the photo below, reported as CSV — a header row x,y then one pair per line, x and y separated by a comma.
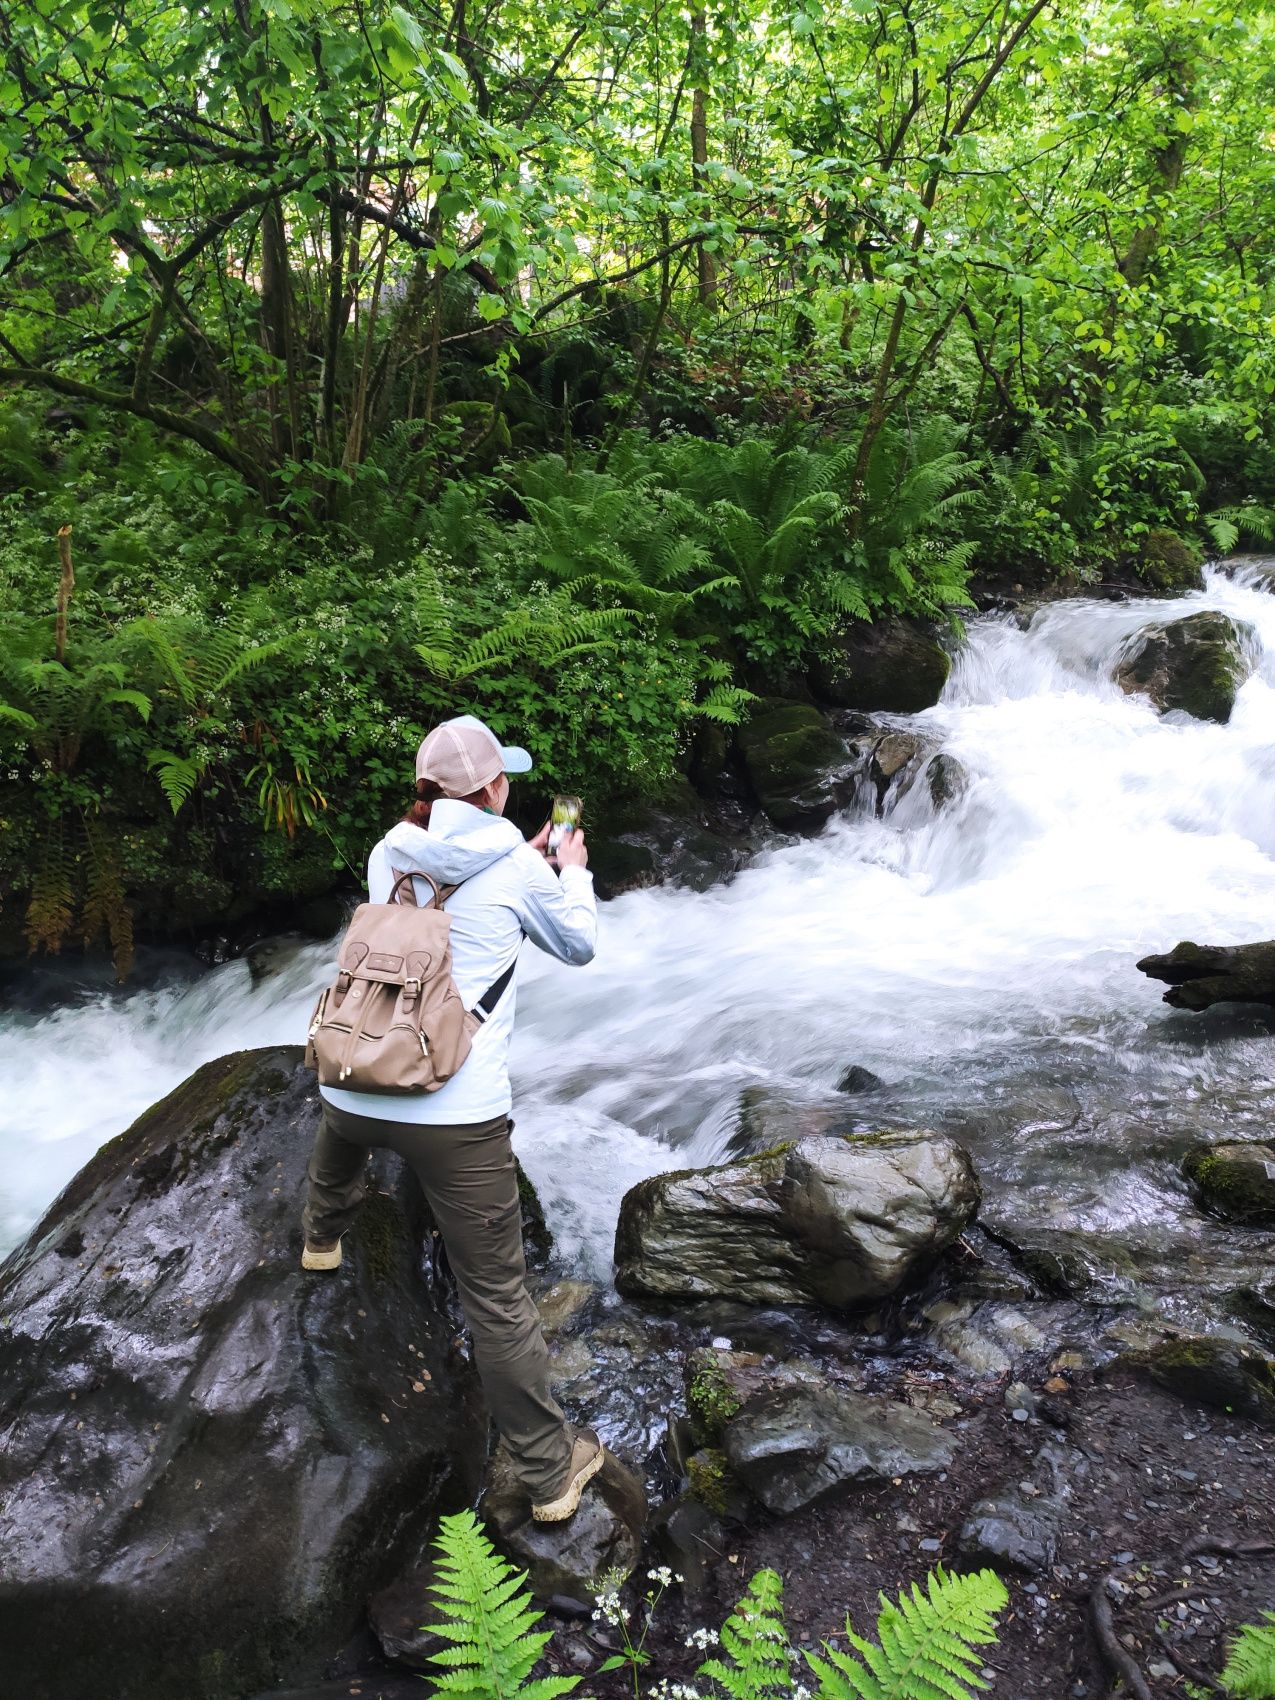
x,y
515,760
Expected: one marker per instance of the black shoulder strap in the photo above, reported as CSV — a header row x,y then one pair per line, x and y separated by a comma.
x,y
492,996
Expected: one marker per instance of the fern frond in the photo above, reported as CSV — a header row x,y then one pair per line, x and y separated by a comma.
x,y
107,911
925,1643
488,1619
51,909
177,775
1250,1666
756,1640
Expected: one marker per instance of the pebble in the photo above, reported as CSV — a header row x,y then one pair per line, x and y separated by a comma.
x,y
931,1545
1123,1558
1019,1414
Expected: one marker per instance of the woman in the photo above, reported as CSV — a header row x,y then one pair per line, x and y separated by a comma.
x,y
457,1138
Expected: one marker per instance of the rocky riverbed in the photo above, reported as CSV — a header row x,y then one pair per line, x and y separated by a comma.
x,y
940,1237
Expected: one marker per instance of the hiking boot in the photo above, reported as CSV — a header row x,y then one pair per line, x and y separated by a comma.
x,y
587,1457
321,1254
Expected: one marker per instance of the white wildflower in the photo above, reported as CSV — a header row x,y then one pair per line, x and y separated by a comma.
x,y
664,1576
702,1638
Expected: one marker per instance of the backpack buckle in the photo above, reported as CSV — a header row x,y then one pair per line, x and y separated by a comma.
x,y
411,990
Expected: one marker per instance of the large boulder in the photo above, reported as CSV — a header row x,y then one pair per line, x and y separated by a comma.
x,y
1196,664
838,1221
1198,975
209,1458
1235,1180
887,667
796,763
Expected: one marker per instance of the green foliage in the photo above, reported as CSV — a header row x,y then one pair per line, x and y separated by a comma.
x,y
926,1644
487,1620
758,1662
1249,1673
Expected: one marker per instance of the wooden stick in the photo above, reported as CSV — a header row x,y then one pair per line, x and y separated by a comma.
x,y
66,584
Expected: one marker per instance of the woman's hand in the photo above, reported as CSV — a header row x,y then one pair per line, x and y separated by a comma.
x,y
571,853
541,840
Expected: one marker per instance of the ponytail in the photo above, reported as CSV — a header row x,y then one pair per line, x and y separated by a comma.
x,y
427,794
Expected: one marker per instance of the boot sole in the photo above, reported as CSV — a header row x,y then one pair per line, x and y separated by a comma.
x,y
312,1258
558,1510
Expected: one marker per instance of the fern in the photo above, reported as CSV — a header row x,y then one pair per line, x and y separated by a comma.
x,y
1250,1666
1226,525
177,775
489,1621
926,1643
756,1641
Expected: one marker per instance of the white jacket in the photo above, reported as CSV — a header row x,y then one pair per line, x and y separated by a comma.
x,y
509,890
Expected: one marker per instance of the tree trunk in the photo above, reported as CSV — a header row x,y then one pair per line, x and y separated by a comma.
x,y
706,265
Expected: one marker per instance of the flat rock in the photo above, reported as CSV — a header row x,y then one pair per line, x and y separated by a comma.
x,y
209,1458
839,1221
604,1536
793,1446
1009,1531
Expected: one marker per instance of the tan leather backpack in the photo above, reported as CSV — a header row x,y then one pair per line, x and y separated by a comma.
x,y
392,1021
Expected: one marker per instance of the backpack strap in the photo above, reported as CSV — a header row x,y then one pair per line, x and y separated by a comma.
x,y
403,884
492,996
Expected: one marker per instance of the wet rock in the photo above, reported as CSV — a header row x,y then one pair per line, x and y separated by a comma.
x,y
795,1445
842,1221
857,1080
397,1616
947,778
211,1458
1235,1180
720,1382
675,837
1255,1307
892,666
560,1304
1198,975
796,763
1010,1531
690,1538
1196,664
604,1535
1210,1370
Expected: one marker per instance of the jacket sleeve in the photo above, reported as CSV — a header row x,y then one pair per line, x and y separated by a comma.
x,y
560,913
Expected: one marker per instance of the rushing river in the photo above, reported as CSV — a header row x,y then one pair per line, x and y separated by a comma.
x,y
981,961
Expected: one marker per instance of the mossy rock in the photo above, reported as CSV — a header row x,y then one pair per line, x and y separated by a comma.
x,y
1196,664
887,667
709,1478
1213,1371
711,1399
792,754
1169,562
1235,1181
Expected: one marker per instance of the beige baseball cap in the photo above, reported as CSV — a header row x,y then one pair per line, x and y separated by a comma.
x,y
463,755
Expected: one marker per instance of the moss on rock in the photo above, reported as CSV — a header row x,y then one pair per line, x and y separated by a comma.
x,y
709,1395
1169,562
1235,1181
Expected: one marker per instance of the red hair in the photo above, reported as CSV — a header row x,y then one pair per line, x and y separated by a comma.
x,y
427,794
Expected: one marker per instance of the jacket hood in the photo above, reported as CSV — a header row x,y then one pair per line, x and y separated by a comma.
x,y
461,841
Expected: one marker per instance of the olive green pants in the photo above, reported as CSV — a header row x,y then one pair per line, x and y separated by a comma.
x,y
468,1176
